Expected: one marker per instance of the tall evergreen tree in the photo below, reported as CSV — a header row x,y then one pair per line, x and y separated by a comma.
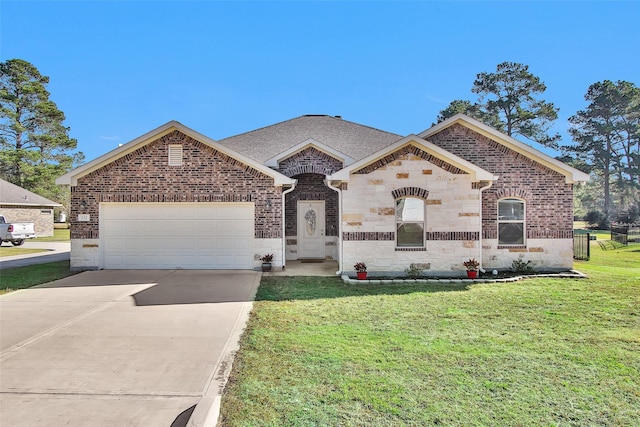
x,y
507,101
607,135
35,146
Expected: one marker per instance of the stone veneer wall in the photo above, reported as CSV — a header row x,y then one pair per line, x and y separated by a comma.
x,y
40,216
206,175
549,200
452,215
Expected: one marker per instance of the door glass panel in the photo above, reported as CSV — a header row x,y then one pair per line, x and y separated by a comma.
x,y
310,222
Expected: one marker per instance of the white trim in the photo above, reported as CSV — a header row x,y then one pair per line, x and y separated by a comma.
x,y
71,178
310,142
523,221
571,175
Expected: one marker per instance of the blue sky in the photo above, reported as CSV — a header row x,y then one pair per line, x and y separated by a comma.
x,y
119,69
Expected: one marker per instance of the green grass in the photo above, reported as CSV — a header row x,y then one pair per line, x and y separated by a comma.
x,y
59,235
546,351
24,277
17,250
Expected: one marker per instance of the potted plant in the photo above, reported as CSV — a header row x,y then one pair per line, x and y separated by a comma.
x,y
266,262
361,270
472,268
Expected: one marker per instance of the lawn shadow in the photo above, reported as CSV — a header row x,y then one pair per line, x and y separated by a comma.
x,y
314,287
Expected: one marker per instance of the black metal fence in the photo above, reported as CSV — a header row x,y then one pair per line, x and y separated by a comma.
x,y
620,234
581,246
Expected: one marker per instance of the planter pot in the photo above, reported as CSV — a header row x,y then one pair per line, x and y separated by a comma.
x,y
472,274
362,275
266,266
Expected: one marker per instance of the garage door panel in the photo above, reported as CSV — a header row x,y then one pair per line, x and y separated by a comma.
x,y
180,235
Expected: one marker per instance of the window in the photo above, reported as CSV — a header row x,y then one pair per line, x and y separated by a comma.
x,y
410,222
175,155
511,222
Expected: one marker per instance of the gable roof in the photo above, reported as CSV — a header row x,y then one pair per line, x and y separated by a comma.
x,y
571,174
351,139
477,173
274,162
11,194
71,178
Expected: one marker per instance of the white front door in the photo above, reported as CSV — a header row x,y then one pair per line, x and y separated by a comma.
x,y
311,229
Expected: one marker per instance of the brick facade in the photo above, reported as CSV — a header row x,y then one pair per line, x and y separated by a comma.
x,y
206,175
309,167
549,199
40,216
454,205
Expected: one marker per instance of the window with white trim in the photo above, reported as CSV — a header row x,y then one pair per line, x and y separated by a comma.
x,y
410,222
511,222
175,155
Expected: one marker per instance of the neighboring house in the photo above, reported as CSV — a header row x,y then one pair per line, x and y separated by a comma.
x,y
20,205
319,187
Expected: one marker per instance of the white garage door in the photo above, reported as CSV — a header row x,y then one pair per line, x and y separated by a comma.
x,y
177,235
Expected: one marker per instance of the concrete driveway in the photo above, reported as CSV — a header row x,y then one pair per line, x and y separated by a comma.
x,y
121,348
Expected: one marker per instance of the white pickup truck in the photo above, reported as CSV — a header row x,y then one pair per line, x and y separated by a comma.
x,y
15,232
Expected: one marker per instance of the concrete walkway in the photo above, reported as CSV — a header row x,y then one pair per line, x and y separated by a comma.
x,y
116,348
55,251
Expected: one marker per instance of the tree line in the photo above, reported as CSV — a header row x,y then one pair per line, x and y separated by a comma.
x,y
35,146
605,135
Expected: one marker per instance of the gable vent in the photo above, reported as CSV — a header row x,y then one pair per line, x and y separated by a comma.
x,y
175,155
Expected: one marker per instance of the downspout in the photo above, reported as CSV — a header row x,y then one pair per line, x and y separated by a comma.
x,y
327,182
482,270
284,237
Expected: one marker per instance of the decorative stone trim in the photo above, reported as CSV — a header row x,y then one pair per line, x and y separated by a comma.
x,y
421,193
84,234
410,149
452,235
520,193
368,235
411,249
571,274
309,160
172,198
549,234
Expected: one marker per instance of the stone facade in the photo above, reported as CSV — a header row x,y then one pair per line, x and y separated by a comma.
x,y
452,220
40,216
461,212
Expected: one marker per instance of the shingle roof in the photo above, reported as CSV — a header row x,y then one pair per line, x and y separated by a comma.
x,y
353,140
11,194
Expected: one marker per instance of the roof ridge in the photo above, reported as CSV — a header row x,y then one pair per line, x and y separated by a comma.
x,y
339,118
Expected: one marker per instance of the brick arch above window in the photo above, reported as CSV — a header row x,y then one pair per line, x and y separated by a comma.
x,y
421,193
518,193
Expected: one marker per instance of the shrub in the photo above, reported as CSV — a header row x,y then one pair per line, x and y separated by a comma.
x,y
521,266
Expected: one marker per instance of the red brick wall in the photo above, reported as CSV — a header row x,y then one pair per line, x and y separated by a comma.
x,y
206,175
549,199
311,187
309,167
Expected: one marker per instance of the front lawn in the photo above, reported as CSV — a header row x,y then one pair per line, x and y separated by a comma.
x,y
563,352
59,235
24,277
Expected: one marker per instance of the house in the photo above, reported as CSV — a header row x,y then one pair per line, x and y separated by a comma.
x,y
20,205
320,187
